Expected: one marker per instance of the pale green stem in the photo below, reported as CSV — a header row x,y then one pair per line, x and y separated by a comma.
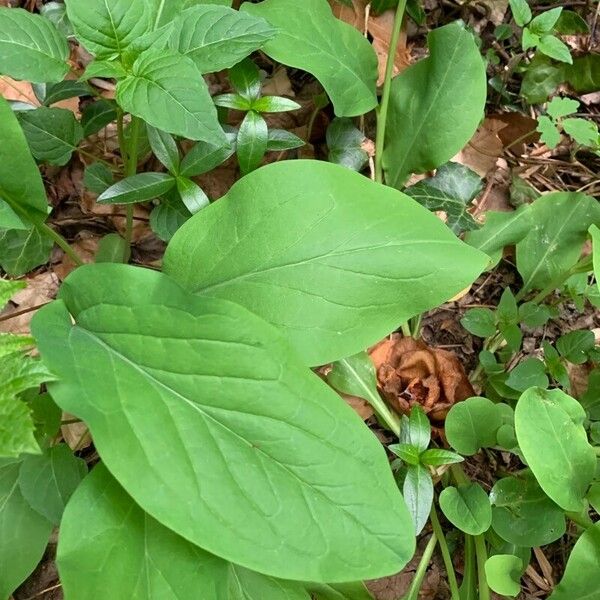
x,y
60,241
481,555
385,96
437,530
415,586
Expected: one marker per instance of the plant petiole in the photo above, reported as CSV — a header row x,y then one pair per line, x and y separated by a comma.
x,y
415,586
439,533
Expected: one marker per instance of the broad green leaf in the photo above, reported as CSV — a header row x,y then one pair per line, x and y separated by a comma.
x,y
472,424
575,345
534,315
503,572
467,507
21,185
340,591
345,144
113,249
480,322
595,233
561,107
166,90
56,13
246,81
570,23
108,27
47,481
97,115
252,140
554,48
584,74
448,86
418,494
521,12
323,253
275,435
23,532
138,188
165,149
550,133
98,178
46,414
523,515
280,139
192,195
581,579
23,250
8,289
217,38
204,157
452,190
406,452
500,229
63,90
334,52
9,219
31,48
249,585
582,131
140,558
530,372
273,104
16,427
168,216
545,21
112,69
419,429
436,457
52,133
555,448
541,78
561,221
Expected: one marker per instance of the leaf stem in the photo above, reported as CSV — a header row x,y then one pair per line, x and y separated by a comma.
x,y
437,530
59,240
385,97
415,586
481,555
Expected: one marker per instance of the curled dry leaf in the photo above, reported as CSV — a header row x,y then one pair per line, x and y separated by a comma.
x,y
409,372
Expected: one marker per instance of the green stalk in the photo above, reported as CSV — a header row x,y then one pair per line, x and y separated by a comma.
x,y
481,555
415,586
438,532
60,241
385,97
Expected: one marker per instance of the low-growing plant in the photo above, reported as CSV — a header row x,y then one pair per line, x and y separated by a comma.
x,y
226,468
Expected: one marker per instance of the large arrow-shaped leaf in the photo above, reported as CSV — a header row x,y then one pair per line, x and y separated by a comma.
x,y
209,421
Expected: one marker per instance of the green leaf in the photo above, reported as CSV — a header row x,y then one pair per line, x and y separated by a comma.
x,y
112,249
541,78
449,85
252,140
16,428
249,585
52,133
232,101
21,185
418,494
23,532
217,38
333,51
141,559
523,515
345,144
555,448
166,90
503,572
98,178
545,21
108,28
168,216
531,372
582,131
452,189
584,74
406,452
63,90
595,234
550,134
472,424
570,23
46,414
534,315
467,507
47,481
165,149
192,195
97,115
575,345
31,48
138,188
581,579
480,322
9,219
551,46
500,229
521,12
56,13
275,435
274,104
280,139
246,81
561,107
204,157
109,69
419,429
436,457
321,248
23,250
8,289
340,591
561,221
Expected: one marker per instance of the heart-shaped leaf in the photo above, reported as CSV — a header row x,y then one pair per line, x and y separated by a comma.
x,y
467,507
332,258
211,424
503,572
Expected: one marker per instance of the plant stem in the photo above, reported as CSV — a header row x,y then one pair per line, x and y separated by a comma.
x,y
387,86
481,555
405,327
437,530
415,586
60,241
